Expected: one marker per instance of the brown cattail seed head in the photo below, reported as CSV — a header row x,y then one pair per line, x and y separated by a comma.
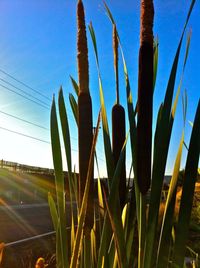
x,y
145,97
82,54
146,21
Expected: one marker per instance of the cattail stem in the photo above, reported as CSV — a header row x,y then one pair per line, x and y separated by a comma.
x,y
118,125
145,96
85,125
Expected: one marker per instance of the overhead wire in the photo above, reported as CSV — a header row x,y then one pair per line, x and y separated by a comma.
x,y
42,104
19,94
70,117
24,84
29,136
23,120
24,135
25,92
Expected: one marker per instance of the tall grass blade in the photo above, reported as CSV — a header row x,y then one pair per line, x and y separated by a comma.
x,y
75,85
155,62
161,146
100,198
114,206
66,133
118,238
87,252
106,135
53,211
187,192
74,107
94,244
171,82
67,144
59,181
59,252
187,48
166,229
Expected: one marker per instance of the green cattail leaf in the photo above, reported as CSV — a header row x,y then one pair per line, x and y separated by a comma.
x,y
53,211
94,243
65,131
72,232
75,186
67,144
74,107
59,251
155,62
114,205
56,224
75,85
87,252
171,82
187,48
190,177
180,83
161,146
79,232
109,14
166,228
59,181
92,34
100,198
184,105
106,135
176,100
118,238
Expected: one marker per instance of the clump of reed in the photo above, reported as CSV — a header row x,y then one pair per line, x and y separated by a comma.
x,y
126,229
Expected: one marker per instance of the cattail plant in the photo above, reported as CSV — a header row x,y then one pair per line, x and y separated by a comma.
x,y
118,125
145,96
85,127
113,241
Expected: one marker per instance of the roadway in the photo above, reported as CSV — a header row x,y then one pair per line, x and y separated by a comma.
x,y
23,221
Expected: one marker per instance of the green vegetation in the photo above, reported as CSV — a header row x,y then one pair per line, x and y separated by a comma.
x,y
130,226
137,237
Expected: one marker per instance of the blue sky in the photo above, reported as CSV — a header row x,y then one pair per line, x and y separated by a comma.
x,y
38,47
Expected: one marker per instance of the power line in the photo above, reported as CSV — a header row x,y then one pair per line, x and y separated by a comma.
x,y
70,117
37,139
29,122
24,84
28,136
13,91
23,91
24,135
23,120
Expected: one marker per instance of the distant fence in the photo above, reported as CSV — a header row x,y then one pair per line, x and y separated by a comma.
x,y
25,168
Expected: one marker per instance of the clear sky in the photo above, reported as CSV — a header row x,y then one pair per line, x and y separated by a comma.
x,y
38,47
